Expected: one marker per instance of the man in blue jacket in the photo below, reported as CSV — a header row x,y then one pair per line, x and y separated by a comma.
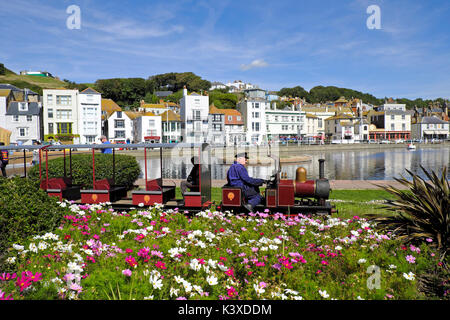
x,y
237,176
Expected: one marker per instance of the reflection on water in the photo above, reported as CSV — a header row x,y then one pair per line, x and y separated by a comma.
x,y
345,165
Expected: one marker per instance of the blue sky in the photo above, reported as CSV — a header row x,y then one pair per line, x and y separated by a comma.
x,y
273,44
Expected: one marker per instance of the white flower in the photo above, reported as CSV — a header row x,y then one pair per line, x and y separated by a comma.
x,y
11,260
324,294
338,248
360,261
212,263
18,247
194,265
410,276
259,290
392,266
174,292
32,247
212,280
178,279
359,298
187,286
157,283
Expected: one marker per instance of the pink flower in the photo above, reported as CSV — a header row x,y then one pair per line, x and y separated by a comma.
x,y
161,265
324,262
127,272
131,261
410,259
232,292
229,272
128,250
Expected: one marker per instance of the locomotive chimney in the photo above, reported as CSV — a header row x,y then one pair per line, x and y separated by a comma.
x,y
321,169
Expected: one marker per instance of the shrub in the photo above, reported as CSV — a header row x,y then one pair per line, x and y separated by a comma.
x,y
126,173
424,210
25,210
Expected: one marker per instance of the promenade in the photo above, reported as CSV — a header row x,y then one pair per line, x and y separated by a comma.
x,y
334,184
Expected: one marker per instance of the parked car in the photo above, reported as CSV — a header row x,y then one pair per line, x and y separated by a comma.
x,y
385,141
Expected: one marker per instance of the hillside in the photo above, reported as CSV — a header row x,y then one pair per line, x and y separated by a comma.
x,y
31,82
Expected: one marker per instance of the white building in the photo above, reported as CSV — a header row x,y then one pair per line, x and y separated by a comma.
x,y
5,97
147,128
121,126
194,110
23,120
89,114
429,128
60,113
254,116
284,124
171,127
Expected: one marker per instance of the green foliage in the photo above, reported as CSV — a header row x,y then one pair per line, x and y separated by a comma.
x,y
223,100
126,173
176,81
293,92
424,211
25,210
124,91
2,69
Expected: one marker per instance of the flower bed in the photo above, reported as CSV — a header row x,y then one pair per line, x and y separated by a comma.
x,y
100,254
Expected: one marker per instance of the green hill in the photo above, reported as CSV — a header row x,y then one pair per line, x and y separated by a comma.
x,y
31,82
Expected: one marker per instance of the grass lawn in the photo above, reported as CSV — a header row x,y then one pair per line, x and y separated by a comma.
x,y
349,203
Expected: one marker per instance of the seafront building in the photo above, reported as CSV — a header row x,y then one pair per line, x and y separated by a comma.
x,y
194,111
60,114
90,110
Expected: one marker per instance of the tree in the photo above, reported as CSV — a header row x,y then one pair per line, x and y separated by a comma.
x,y
2,69
293,92
223,100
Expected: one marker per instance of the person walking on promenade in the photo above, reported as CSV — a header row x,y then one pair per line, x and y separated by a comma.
x,y
104,140
4,159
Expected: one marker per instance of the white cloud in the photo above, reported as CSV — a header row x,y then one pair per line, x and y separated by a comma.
x,y
258,63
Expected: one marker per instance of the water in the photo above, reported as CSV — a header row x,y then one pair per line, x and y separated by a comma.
x,y
345,165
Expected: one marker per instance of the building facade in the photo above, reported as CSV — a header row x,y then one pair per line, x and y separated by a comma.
x,y
90,110
254,116
194,111
60,113
23,120
430,128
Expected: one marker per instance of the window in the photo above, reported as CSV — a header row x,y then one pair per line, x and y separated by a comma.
x,y
23,132
276,118
64,127
255,115
196,115
151,123
119,134
23,106
29,118
217,127
16,118
50,113
392,117
88,112
119,123
63,114
50,128
90,139
64,100
255,126
403,126
392,127
230,118
119,114
255,105
320,123
403,117
50,99
238,118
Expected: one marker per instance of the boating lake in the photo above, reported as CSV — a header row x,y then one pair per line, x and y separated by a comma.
x,y
358,164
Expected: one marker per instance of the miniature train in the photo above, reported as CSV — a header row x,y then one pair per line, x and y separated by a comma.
x,y
280,195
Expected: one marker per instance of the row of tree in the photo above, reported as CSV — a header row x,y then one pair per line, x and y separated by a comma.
x,y
321,94
130,91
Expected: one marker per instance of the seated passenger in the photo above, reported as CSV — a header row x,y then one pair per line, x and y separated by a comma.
x,y
192,181
237,176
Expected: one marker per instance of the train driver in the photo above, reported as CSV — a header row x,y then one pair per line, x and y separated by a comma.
x,y
237,176
192,181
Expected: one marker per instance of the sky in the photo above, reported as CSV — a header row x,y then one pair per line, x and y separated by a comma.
x,y
400,50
